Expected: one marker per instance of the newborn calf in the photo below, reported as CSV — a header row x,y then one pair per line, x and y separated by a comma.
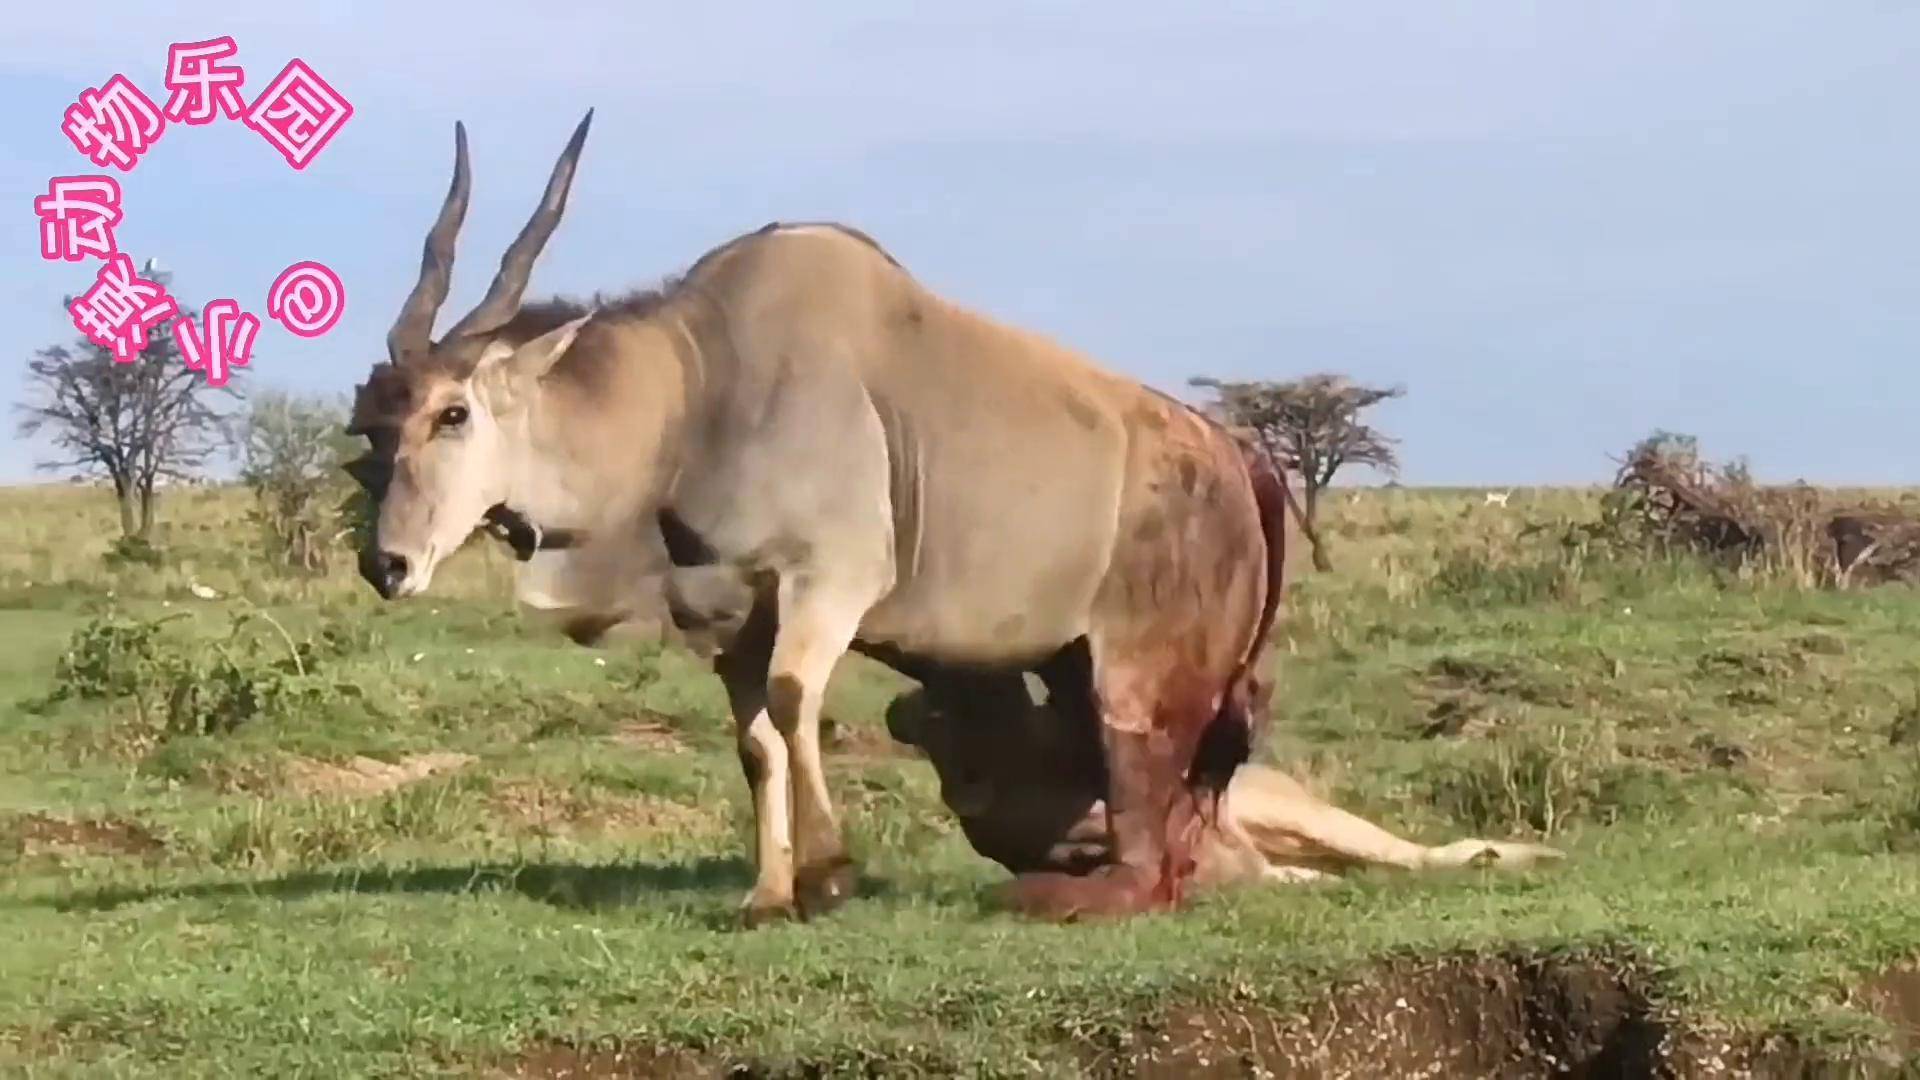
x,y
1026,785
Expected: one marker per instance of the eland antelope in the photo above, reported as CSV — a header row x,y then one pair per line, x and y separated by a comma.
x,y
885,471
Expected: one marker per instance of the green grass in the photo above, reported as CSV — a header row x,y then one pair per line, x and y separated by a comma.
x,y
1730,762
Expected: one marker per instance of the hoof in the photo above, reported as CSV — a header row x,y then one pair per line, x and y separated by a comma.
x,y
758,911
1105,893
824,886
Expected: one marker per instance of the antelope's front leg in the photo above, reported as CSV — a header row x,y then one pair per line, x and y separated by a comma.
x,y
742,667
816,626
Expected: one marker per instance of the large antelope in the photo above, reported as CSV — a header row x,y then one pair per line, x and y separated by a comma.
x,y
887,472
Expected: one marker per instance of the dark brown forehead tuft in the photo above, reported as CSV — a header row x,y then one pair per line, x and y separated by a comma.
x,y
391,394
388,396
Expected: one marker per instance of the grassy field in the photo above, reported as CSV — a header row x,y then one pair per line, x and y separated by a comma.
x,y
294,831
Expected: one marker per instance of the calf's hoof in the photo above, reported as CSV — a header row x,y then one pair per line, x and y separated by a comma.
x,y
824,886
757,911
1104,893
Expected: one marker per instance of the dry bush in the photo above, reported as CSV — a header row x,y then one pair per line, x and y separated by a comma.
x,y
294,448
1875,544
1668,497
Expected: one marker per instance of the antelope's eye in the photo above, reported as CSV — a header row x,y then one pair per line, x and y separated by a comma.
x,y
452,416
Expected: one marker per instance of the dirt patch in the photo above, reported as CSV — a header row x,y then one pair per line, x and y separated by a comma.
x,y
358,777
1766,662
1483,1017
561,812
1820,643
1453,675
41,834
860,739
563,1061
1457,715
1465,697
1895,997
649,736
20,1044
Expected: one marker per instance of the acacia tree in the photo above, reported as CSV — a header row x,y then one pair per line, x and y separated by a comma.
x,y
1310,427
133,423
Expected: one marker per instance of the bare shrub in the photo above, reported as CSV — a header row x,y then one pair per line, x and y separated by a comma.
x,y
1875,545
293,451
136,424
1667,496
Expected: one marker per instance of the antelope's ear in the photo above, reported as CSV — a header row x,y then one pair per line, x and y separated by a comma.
x,y
535,358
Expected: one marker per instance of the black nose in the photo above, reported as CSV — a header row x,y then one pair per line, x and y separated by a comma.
x,y
384,571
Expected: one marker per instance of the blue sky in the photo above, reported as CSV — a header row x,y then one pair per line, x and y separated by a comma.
x,y
1560,225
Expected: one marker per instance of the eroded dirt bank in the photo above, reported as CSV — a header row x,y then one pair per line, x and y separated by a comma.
x,y
1484,1017
1492,1017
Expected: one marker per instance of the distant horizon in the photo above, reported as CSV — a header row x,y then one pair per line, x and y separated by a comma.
x,y
16,485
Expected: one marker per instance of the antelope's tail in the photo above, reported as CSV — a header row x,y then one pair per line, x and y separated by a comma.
x,y
1236,728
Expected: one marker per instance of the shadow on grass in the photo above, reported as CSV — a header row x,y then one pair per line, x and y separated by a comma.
x,y
705,889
